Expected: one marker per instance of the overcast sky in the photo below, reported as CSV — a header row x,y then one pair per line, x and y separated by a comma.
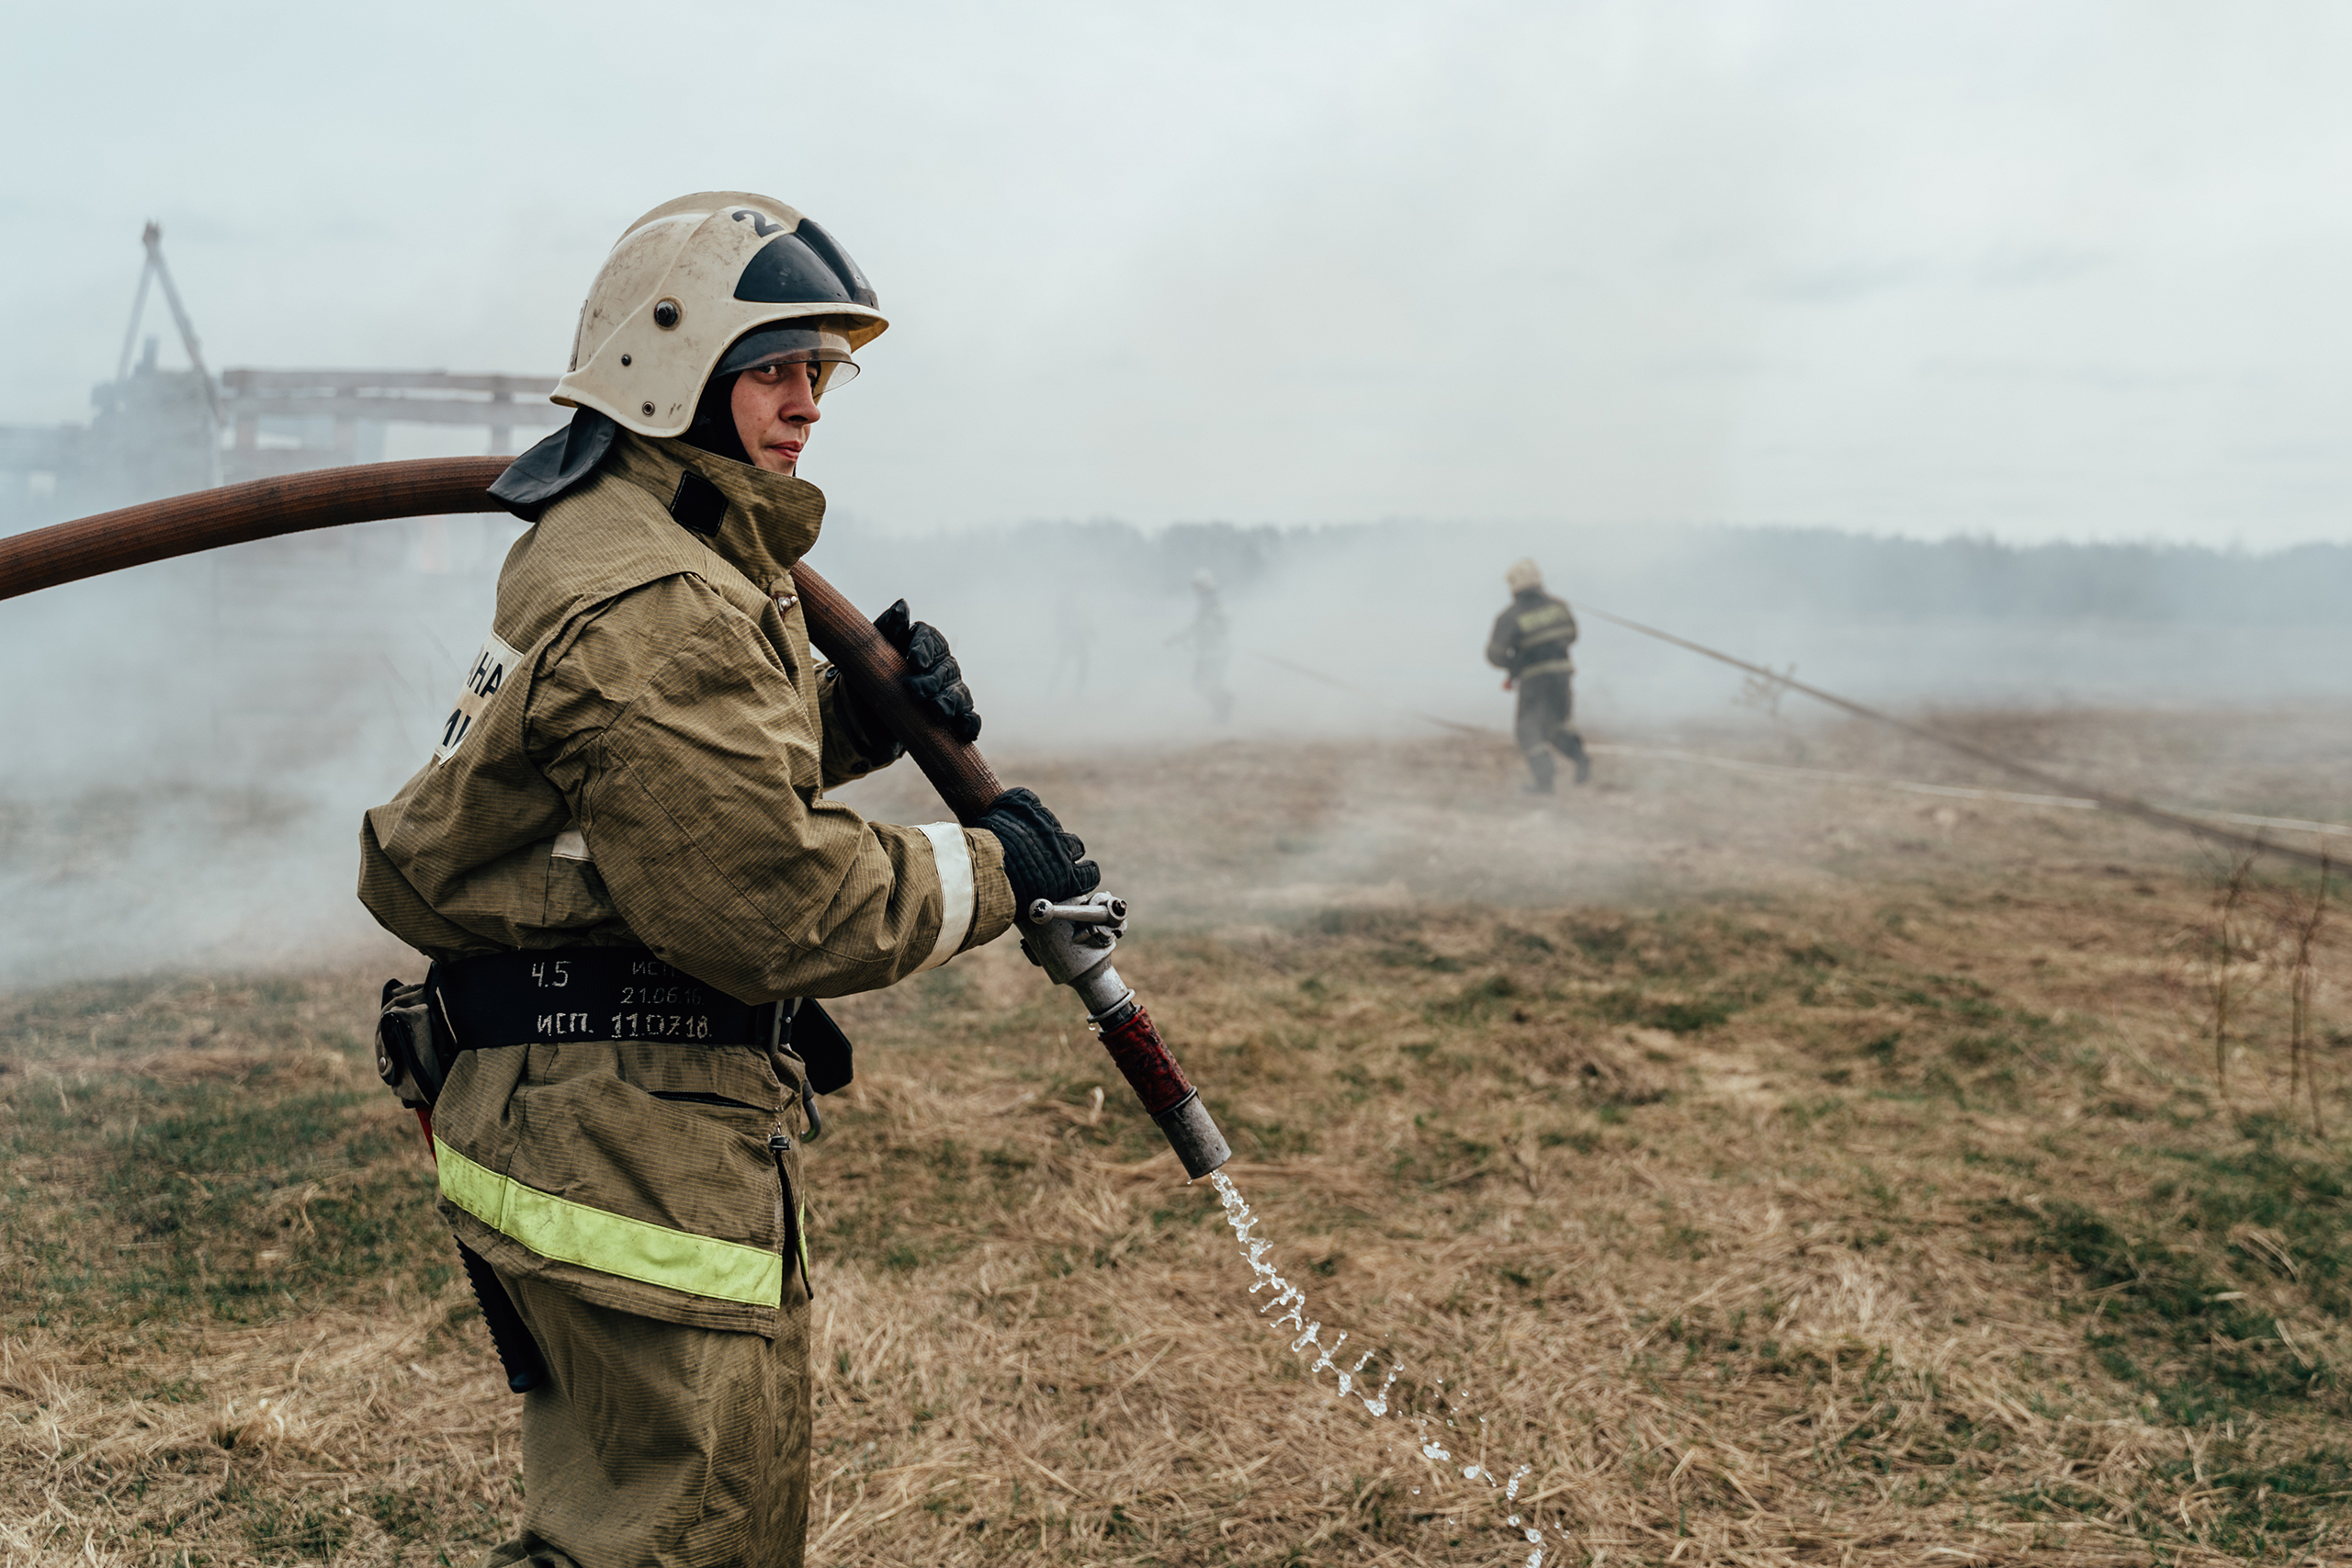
x,y
2040,270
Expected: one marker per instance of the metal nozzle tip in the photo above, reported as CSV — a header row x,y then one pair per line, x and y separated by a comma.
x,y
1193,1133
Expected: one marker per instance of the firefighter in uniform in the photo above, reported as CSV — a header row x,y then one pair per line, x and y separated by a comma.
x,y
1211,638
1531,645
624,864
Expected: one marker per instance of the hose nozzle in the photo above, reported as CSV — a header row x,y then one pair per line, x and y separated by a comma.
x,y
1073,943
1134,1043
1109,912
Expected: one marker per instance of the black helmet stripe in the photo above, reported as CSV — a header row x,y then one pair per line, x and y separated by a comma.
x,y
803,268
828,248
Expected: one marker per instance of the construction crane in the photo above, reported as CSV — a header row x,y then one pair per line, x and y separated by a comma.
x,y
158,271
155,431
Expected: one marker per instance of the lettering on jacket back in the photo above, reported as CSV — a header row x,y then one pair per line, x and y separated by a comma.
x,y
489,672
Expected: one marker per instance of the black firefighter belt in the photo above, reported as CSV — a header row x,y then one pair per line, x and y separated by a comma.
x,y
566,995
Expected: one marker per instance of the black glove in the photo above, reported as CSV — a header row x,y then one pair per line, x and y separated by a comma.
x,y
933,681
1040,860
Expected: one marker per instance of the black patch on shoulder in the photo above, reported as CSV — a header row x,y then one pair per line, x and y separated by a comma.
x,y
699,504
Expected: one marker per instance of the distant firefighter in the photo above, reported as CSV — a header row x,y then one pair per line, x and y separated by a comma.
x,y
1074,642
1211,637
1531,645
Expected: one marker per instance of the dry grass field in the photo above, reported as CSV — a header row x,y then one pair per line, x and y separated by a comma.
x,y
1780,1171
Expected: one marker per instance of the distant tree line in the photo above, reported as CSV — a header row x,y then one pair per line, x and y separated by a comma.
x,y
1847,577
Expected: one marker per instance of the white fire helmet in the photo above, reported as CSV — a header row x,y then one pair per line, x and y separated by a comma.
x,y
1524,575
688,283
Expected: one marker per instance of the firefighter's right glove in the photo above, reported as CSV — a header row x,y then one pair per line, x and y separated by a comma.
x,y
1041,860
932,678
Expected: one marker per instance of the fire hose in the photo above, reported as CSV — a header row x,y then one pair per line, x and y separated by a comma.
x,y
2129,806
2073,793
1072,942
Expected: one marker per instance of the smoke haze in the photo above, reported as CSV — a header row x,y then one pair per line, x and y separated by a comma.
x,y
206,732
1837,335
2065,269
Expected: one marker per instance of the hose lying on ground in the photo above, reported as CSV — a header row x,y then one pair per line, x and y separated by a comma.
x,y
2079,796
2126,803
1954,792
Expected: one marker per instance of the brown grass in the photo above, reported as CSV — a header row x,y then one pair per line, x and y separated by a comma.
x,y
1846,1184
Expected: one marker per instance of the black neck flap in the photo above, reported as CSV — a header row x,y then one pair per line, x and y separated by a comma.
x,y
557,465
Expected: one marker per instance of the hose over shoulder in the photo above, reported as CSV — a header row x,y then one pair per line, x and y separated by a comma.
x,y
428,487
325,498
238,514
953,764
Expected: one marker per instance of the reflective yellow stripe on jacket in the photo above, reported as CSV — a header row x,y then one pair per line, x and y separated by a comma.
x,y
1560,623
575,1232
1534,623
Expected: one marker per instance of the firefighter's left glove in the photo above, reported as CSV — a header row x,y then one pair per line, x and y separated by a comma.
x,y
932,678
1041,860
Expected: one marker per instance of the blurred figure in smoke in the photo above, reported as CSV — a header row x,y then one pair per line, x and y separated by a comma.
x,y
1074,645
1211,636
1531,645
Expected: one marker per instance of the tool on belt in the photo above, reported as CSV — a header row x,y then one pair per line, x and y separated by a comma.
x,y
1071,942
414,1057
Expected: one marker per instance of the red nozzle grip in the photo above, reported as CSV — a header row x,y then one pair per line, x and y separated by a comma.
x,y
1143,1056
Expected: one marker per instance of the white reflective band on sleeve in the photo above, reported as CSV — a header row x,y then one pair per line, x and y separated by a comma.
x,y
954,858
489,672
571,844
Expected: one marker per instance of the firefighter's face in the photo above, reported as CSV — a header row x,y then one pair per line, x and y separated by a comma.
x,y
775,405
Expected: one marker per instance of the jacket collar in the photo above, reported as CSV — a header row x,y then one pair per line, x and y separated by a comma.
x,y
766,522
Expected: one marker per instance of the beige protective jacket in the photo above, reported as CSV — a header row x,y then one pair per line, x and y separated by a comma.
x,y
639,757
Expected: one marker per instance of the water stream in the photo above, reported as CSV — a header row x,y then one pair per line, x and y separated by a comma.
x,y
1286,1306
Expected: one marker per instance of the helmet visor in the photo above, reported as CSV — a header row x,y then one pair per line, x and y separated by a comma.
x,y
820,343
